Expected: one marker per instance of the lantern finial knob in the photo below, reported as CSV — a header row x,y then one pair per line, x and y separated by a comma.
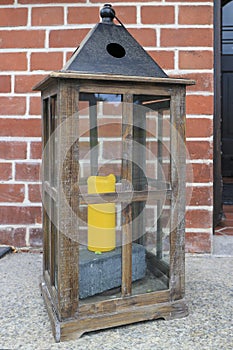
x,y
107,13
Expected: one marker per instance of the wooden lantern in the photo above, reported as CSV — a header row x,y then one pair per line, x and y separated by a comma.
x,y
113,186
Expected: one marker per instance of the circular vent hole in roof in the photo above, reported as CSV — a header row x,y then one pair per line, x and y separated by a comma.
x,y
116,50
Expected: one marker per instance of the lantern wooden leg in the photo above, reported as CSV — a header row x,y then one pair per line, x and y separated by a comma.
x,y
51,311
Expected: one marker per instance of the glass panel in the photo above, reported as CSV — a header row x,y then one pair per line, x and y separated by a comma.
x,y
54,248
53,150
100,158
152,173
49,169
46,198
47,231
49,125
100,134
46,133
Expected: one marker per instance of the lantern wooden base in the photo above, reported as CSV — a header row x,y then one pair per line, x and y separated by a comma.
x,y
113,313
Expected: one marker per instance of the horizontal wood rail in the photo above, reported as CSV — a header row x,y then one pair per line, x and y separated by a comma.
x,y
127,196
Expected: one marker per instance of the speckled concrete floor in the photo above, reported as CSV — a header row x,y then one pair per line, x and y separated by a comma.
x,y
24,323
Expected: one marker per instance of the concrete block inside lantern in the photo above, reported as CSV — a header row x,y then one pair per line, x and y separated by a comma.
x,y
101,272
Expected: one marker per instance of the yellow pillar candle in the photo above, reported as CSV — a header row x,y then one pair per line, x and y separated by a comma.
x,y
101,217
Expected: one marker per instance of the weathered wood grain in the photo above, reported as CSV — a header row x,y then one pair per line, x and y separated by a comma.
x,y
62,198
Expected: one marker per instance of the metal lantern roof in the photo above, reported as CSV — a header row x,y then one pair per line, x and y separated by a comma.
x,y
111,49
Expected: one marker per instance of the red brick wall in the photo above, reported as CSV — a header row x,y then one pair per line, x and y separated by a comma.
x,y
38,36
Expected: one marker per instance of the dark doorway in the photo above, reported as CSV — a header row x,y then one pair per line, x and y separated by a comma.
x,y
218,212
227,89
223,53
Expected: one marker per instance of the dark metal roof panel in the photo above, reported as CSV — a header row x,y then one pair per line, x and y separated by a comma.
x,y
111,49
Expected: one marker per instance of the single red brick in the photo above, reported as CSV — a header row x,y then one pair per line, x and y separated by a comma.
x,y
201,196
47,16
5,171
36,150
5,83
12,106
7,2
198,218
115,1
11,193
202,172
67,38
200,149
22,39
35,105
165,59
46,60
195,14
15,237
186,37
25,83
20,127
111,128
200,104
198,242
83,15
47,1
198,59
34,192
13,61
126,14
13,17
144,36
193,128
36,237
27,171
12,215
13,150
203,81
187,1
158,14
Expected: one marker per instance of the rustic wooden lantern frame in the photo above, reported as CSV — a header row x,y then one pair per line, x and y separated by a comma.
x,y
60,282
146,268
